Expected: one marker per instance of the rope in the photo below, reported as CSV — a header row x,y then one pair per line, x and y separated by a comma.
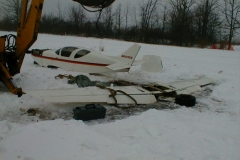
x,y
114,93
61,76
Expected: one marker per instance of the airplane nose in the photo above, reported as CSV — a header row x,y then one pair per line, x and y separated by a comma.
x,y
37,52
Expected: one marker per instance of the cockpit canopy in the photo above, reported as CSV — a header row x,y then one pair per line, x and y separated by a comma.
x,y
67,51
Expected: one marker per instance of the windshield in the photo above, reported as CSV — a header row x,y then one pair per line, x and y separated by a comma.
x,y
81,53
66,51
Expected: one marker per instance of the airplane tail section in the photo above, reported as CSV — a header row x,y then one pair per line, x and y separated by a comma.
x,y
149,63
125,60
130,54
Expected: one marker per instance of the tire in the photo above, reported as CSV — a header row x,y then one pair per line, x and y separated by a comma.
x,y
51,66
185,100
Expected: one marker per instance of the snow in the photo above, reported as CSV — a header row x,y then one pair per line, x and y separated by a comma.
x,y
208,131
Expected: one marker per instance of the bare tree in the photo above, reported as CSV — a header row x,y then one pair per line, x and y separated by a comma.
x,y
232,18
207,21
147,12
181,21
48,22
118,17
107,20
164,20
126,14
60,12
134,16
76,17
12,10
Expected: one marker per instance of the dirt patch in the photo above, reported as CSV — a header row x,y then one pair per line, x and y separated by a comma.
x,y
112,114
40,113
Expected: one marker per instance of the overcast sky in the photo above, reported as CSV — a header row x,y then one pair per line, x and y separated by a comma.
x,y
51,6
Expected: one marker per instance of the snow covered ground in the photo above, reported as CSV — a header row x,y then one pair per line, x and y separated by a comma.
x,y
208,131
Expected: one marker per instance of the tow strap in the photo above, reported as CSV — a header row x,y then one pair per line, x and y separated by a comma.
x,y
114,93
84,81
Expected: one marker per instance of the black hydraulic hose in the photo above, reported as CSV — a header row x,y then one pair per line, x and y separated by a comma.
x,y
10,43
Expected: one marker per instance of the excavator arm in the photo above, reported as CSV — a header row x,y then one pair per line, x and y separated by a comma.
x,y
11,58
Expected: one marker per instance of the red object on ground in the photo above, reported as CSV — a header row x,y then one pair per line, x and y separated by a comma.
x,y
214,46
230,47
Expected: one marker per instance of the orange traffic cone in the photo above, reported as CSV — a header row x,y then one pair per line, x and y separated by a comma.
x,y
214,46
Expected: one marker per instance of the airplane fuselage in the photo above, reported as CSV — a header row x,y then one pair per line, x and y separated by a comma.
x,y
93,62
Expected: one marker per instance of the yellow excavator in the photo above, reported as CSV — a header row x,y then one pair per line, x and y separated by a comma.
x,y
12,56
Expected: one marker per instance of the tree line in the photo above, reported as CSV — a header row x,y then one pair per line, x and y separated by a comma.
x,y
176,22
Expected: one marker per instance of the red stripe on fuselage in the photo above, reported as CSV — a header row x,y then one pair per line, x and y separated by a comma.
x,y
69,61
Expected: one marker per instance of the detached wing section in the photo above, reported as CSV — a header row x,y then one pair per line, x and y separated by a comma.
x,y
95,95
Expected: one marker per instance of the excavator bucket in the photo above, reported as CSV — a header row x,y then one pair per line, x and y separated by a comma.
x,y
5,76
11,58
95,3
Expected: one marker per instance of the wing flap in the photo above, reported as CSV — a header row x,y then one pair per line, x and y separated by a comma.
x,y
136,63
118,66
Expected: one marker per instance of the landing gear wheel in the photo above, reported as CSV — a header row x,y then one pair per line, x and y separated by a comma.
x,y
185,100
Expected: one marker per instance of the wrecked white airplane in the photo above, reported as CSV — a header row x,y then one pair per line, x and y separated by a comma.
x,y
80,59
